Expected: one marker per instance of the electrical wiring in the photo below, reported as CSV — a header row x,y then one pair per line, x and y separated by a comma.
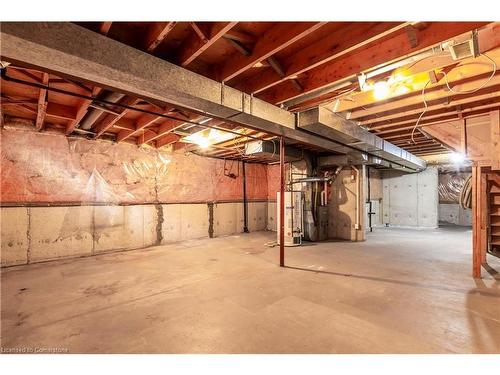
x,y
422,114
493,72
4,76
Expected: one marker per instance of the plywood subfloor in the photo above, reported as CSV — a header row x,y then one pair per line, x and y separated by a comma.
x,y
402,291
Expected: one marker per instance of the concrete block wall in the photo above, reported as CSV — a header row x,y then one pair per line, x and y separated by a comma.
x,y
35,234
411,199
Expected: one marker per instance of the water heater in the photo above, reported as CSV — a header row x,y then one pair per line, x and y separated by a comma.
x,y
293,218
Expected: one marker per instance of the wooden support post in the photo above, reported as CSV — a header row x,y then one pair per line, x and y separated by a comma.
x,y
463,136
479,230
483,209
495,139
282,202
476,261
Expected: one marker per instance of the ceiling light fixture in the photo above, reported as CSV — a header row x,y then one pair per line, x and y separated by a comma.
x,y
203,142
457,157
381,90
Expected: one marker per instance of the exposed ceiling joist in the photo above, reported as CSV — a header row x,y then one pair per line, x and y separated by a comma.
x,y
331,47
370,57
279,37
42,104
156,34
195,46
104,27
74,52
109,120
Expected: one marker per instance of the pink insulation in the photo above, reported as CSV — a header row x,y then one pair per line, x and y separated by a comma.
x,y
273,181
41,167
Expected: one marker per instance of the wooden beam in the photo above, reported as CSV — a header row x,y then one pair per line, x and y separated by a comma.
x,y
42,104
333,46
104,27
239,36
57,47
198,31
441,103
428,120
109,120
57,110
82,110
240,47
495,139
167,127
274,40
483,203
194,46
411,33
476,220
444,113
463,136
141,123
157,34
167,140
434,95
385,52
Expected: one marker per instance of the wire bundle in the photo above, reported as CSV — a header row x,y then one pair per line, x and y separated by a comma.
x,y
466,194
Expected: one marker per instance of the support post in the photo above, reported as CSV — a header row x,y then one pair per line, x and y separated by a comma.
x,y
483,209
245,202
282,202
476,221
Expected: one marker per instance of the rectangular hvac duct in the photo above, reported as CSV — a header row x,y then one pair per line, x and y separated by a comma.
x,y
323,122
271,150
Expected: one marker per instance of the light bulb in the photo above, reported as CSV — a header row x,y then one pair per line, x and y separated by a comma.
x,y
457,157
203,142
381,90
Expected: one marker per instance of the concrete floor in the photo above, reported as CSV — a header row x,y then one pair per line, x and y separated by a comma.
x,y
402,291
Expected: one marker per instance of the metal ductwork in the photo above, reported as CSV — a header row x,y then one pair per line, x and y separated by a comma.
x,y
76,53
270,149
354,159
93,113
358,142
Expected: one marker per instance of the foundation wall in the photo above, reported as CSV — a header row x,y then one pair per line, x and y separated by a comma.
x,y
453,213
36,234
64,197
342,208
411,199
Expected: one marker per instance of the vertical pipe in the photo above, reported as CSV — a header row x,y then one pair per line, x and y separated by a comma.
x,y
369,199
282,202
358,195
245,202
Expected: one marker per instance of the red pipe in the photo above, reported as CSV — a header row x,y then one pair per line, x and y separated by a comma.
x,y
282,202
